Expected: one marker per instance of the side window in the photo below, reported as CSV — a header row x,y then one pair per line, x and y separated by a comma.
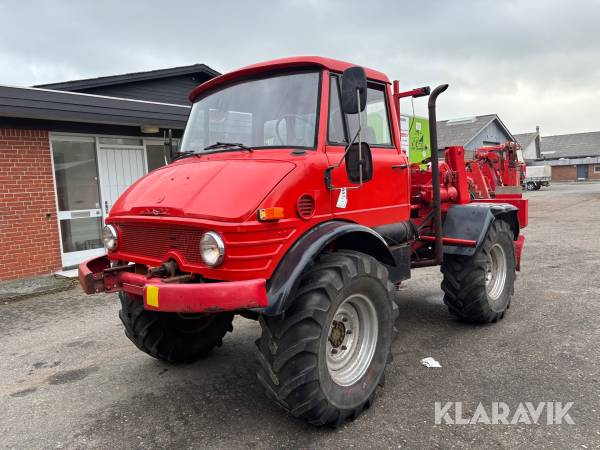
x,y
375,121
335,129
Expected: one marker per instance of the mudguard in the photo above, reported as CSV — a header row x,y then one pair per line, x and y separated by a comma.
x,y
285,280
472,221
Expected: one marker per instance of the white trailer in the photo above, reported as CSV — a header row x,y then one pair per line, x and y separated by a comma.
x,y
536,177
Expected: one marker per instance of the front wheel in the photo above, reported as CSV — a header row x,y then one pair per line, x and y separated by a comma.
x,y
324,358
172,337
479,288
530,186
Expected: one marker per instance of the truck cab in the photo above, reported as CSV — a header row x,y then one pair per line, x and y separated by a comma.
x,y
287,117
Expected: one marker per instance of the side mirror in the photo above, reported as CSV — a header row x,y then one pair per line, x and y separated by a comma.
x,y
359,157
354,79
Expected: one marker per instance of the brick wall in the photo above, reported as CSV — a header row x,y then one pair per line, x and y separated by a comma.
x,y
564,173
591,174
28,229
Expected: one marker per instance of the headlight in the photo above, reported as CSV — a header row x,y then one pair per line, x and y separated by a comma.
x,y
212,249
109,237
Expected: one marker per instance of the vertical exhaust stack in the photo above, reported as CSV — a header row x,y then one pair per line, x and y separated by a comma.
x,y
435,174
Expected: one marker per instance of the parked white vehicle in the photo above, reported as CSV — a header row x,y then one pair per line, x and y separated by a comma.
x,y
536,177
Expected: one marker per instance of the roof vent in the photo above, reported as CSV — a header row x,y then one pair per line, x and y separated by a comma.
x,y
461,121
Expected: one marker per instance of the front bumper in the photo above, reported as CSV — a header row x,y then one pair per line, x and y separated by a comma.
x,y
96,275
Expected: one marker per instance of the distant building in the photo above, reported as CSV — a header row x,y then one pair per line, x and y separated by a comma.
x,y
573,157
472,133
530,145
68,150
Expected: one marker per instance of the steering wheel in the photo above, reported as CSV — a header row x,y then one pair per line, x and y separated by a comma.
x,y
289,116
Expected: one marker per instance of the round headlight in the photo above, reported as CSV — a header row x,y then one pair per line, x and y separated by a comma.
x,y
212,248
109,237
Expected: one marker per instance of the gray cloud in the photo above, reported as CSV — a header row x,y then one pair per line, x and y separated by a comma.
x,y
532,62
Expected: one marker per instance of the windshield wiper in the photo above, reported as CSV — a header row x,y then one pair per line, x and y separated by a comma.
x,y
183,155
218,147
227,145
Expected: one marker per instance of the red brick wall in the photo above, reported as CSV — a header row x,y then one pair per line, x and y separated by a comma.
x,y
564,173
591,174
28,229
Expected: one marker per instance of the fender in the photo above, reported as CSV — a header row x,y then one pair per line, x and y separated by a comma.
x,y
472,221
284,282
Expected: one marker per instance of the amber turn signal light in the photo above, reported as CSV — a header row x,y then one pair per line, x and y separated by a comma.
x,y
267,214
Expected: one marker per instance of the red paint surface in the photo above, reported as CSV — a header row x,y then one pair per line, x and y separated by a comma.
x,y
210,297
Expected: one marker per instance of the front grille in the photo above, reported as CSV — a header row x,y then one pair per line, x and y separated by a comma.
x,y
155,241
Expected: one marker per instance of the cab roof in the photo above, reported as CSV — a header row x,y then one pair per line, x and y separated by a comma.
x,y
279,64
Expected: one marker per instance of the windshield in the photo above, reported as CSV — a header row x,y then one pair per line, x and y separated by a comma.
x,y
278,111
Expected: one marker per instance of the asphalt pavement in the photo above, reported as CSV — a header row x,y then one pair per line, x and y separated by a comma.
x,y
71,379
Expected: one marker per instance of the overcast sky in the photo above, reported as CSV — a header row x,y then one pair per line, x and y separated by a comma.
x,y
532,62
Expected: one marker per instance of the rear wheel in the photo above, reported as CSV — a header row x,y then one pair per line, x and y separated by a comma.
x,y
324,358
479,288
530,186
172,337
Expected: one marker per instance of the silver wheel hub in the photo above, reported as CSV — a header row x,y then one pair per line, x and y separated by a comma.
x,y
495,272
352,340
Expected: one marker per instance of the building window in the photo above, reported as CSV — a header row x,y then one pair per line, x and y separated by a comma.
x,y
120,141
597,168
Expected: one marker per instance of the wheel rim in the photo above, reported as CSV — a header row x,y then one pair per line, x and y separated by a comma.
x,y
352,340
495,273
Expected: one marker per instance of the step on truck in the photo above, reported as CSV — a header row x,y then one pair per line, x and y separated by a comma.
x,y
291,202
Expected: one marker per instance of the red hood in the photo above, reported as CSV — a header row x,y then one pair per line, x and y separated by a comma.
x,y
224,190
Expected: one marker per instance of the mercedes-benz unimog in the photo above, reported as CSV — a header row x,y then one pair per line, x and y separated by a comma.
x,y
291,202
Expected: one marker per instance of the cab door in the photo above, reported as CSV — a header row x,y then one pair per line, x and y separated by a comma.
x,y
385,198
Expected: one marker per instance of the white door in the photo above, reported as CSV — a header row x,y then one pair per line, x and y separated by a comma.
x,y
120,167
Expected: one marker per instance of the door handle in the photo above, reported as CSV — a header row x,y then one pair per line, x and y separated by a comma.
x,y
106,206
400,166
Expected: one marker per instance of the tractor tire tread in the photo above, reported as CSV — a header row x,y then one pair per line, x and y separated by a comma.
x,y
287,352
464,281
162,335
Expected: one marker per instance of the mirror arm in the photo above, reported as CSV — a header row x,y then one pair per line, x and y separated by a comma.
x,y
362,163
329,169
330,187
346,150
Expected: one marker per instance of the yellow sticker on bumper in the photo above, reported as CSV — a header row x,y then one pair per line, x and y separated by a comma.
x,y
152,296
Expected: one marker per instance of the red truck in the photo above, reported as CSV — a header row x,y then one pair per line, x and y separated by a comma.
x,y
292,203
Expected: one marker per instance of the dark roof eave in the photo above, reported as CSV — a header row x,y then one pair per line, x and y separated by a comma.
x,y
43,104
89,83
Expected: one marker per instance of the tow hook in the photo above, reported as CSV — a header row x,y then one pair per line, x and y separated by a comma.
x,y
168,269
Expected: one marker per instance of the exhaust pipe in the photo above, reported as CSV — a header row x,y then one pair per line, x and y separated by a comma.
x,y
435,173
435,182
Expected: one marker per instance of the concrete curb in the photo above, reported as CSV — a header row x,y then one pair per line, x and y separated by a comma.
x,y
15,290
